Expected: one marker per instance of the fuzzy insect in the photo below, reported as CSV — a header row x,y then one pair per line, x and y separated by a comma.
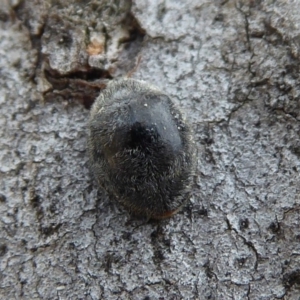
x,y
141,149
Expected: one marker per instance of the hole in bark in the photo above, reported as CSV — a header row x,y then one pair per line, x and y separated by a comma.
x,y
47,231
241,261
35,201
3,249
275,227
2,198
158,256
291,278
244,223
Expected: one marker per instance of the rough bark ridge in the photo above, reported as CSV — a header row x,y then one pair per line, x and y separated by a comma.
x,y
233,67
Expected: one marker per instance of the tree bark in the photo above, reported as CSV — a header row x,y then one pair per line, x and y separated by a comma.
x,y
233,68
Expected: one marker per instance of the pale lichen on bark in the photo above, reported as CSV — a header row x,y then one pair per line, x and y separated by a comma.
x,y
233,68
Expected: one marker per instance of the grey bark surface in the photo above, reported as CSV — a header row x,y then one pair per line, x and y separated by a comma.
x,y
233,68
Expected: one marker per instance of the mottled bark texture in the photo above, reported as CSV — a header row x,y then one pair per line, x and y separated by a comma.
x,y
233,68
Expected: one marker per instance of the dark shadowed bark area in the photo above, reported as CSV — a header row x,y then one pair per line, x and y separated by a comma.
x,y
233,68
